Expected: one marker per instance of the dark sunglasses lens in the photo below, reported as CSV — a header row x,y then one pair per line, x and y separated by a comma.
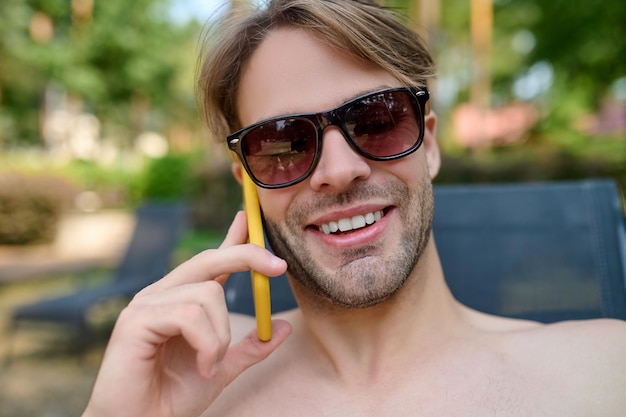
x,y
280,151
385,124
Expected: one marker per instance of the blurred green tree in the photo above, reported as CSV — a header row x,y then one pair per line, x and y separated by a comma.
x,y
121,60
132,65
582,44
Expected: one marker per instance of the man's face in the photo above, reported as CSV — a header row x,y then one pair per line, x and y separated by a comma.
x,y
293,72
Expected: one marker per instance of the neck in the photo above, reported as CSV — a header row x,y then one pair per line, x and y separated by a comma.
x,y
362,343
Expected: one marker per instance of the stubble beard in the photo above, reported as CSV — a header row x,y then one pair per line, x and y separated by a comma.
x,y
362,280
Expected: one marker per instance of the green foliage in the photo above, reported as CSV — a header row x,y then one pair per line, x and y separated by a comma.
x,y
133,68
582,42
589,159
123,56
195,241
116,185
167,178
215,198
31,207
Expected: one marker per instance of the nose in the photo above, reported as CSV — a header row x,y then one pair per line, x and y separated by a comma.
x,y
339,164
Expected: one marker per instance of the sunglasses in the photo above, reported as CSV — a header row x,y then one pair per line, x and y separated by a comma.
x,y
383,125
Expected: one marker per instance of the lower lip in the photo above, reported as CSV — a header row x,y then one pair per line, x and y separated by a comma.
x,y
356,238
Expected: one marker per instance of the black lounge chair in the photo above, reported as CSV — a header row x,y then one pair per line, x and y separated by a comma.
x,y
147,258
543,251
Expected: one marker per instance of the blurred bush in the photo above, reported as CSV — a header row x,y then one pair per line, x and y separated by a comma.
x,y
213,195
215,198
523,165
118,186
31,207
167,178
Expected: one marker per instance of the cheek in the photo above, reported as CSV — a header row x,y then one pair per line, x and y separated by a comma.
x,y
421,165
274,203
411,169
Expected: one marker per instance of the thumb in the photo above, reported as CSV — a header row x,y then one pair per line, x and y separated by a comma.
x,y
250,350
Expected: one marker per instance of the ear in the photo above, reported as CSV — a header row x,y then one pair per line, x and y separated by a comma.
x,y
236,168
433,156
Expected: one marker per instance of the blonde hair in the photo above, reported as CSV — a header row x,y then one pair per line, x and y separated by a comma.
x,y
361,28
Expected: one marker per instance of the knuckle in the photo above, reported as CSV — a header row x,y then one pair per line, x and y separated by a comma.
x,y
140,294
192,313
146,291
213,289
129,312
204,255
130,317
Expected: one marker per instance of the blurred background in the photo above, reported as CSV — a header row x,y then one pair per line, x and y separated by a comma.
x,y
98,116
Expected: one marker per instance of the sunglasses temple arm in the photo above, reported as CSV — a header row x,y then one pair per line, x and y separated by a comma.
x,y
260,282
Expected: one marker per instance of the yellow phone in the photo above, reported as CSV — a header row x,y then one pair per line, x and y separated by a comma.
x,y
260,282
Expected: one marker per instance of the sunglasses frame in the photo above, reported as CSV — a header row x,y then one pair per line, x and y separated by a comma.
x,y
334,117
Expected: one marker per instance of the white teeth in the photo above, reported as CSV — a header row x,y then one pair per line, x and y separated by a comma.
x,y
357,222
345,225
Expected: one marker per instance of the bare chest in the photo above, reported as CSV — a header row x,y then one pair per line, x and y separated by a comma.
x,y
470,392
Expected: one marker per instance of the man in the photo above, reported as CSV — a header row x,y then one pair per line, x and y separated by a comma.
x,y
377,332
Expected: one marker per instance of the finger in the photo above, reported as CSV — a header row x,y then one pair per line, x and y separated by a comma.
x,y
149,346
237,232
154,325
213,263
209,295
249,351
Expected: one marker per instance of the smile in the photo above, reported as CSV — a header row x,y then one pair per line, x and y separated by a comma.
x,y
347,224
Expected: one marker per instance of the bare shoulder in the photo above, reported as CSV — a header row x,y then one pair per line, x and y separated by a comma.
x,y
599,337
584,361
593,347
599,342
586,341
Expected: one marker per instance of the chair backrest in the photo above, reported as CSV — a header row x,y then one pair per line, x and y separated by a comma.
x,y
542,251
158,228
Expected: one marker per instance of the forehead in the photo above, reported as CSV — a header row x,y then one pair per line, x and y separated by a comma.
x,y
292,71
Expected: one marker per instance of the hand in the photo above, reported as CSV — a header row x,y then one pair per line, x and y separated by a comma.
x,y
170,353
